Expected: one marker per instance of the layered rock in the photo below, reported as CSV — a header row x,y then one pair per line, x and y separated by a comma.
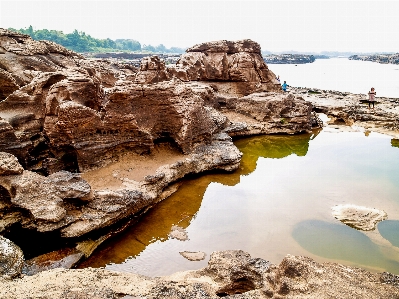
x,y
152,70
262,113
64,202
233,66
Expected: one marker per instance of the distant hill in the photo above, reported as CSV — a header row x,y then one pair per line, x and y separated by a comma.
x,y
84,43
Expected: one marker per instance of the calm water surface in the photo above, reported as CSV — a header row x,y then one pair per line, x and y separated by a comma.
x,y
279,202
342,74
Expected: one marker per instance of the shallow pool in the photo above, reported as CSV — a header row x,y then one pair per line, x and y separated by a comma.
x,y
279,202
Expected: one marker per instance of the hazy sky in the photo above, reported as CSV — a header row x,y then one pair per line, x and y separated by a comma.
x,y
357,26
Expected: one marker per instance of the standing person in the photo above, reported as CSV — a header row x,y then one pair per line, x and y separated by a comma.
x,y
372,94
284,86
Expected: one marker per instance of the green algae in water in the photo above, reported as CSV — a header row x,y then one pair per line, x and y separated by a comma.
x,y
340,242
389,230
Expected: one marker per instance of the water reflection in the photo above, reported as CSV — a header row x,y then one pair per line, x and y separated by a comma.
x,y
271,146
282,182
181,207
395,142
340,242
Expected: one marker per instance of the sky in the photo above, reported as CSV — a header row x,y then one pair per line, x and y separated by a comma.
x,y
278,26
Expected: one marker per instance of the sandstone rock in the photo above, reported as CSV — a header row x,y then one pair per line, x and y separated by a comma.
x,y
69,185
41,196
152,70
7,84
235,272
9,164
239,61
263,113
11,258
359,217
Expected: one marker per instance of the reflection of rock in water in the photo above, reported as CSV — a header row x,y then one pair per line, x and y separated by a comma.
x,y
395,142
271,146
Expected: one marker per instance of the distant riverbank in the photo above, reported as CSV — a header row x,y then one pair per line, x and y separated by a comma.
x,y
380,58
342,74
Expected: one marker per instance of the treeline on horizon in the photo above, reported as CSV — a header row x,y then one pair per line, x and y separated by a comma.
x,y
82,42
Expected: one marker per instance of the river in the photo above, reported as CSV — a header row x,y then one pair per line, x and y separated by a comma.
x,y
342,74
279,201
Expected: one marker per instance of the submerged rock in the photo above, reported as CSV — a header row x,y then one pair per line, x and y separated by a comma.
x,y
359,217
193,256
11,258
178,233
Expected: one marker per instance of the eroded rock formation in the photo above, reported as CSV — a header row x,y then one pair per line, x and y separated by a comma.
x,y
61,114
233,66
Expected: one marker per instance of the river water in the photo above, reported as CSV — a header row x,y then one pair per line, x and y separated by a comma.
x,y
342,74
279,201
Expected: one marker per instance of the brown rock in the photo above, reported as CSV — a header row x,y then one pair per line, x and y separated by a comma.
x,y
152,70
267,113
9,164
228,61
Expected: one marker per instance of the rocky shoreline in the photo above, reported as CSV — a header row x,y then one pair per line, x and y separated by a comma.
x,y
65,118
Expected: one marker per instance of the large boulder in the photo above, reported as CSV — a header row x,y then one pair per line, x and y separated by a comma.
x,y
232,65
11,258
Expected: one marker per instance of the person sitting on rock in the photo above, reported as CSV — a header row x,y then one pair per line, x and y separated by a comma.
x,y
284,86
278,78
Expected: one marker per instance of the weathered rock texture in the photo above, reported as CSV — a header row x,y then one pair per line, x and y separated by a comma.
x,y
233,66
262,113
230,274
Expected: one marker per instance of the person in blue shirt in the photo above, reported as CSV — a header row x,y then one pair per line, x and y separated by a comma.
x,y
284,86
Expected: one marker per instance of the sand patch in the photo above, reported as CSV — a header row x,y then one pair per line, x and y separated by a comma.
x,y
131,167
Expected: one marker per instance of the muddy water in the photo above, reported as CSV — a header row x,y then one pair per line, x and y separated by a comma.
x,y
279,202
